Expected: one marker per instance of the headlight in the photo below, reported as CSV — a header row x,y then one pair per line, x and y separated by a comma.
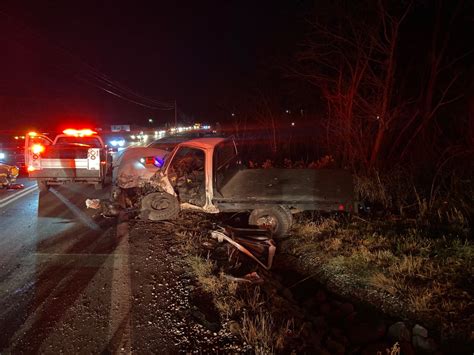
x,y
2,155
14,171
118,142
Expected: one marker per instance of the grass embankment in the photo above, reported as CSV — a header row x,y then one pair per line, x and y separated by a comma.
x,y
419,273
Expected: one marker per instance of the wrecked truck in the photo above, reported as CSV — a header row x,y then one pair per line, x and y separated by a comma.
x,y
206,174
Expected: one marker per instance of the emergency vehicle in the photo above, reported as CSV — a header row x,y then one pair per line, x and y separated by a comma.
x,y
75,156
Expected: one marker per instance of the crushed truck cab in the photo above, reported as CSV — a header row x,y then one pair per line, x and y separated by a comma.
x,y
76,156
205,174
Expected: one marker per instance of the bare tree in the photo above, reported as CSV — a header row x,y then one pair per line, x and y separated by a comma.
x,y
353,63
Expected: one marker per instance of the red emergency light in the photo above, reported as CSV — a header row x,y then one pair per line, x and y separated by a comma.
x,y
37,148
79,132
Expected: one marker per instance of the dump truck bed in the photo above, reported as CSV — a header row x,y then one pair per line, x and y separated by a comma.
x,y
321,188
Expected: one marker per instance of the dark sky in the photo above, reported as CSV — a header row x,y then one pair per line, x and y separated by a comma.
x,y
198,52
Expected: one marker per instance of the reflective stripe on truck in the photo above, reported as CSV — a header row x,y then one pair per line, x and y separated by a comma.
x,y
93,159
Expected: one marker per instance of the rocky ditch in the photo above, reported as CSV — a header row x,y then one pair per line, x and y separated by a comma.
x,y
314,319
330,324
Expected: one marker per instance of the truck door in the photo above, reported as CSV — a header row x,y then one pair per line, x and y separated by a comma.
x,y
186,173
35,145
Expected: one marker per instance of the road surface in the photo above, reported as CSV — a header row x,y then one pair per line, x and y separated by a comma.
x,y
72,281
52,253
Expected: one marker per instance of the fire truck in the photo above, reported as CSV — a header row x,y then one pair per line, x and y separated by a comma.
x,y
75,156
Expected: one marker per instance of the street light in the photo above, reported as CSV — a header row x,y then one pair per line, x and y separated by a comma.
x,y
150,120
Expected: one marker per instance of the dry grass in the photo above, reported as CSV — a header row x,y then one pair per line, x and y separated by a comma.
x,y
223,290
382,282
419,300
248,304
258,331
430,276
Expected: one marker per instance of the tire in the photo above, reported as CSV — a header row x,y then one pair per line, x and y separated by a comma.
x,y
115,193
42,186
159,206
277,219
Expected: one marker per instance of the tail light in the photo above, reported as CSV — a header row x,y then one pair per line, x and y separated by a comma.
x,y
37,148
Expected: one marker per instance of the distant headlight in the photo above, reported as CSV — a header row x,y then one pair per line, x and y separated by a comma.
x,y
2,155
118,142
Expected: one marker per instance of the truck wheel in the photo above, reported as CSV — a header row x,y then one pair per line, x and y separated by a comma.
x,y
276,218
42,186
159,206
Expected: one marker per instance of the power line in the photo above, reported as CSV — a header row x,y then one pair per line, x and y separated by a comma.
x,y
92,75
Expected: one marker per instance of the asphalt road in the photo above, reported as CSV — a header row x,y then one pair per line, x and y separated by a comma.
x,y
59,265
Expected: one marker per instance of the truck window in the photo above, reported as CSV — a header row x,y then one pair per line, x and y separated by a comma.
x,y
186,161
186,174
92,142
226,163
224,154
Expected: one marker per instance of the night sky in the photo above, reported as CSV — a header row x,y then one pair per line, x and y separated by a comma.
x,y
196,52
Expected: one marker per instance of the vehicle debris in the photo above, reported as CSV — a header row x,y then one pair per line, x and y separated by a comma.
x,y
107,208
8,175
93,203
16,186
252,278
255,243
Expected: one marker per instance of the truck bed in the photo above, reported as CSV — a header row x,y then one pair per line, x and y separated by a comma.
x,y
305,186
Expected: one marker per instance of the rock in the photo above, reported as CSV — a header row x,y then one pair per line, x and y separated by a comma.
x,y
287,294
234,327
364,333
376,348
335,316
198,315
338,335
426,345
420,331
350,319
319,322
309,304
320,296
306,329
325,308
347,308
335,347
316,338
406,348
399,331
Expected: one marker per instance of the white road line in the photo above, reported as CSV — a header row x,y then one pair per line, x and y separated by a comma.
x,y
16,193
13,198
121,292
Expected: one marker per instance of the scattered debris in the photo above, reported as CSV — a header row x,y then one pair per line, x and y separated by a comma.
x,y
16,186
252,278
93,203
255,243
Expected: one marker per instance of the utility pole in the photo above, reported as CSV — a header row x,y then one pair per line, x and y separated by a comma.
x,y
175,114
